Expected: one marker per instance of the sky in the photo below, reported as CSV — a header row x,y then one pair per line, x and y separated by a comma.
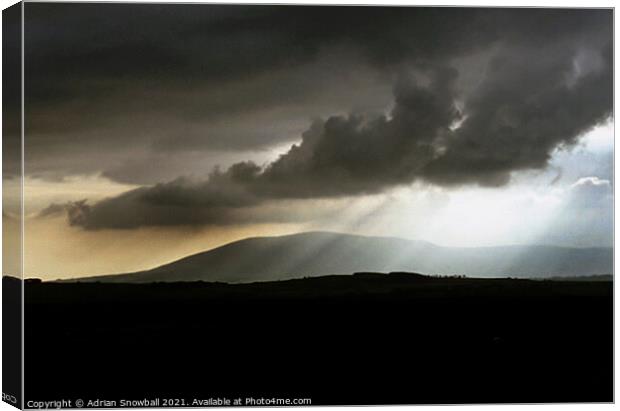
x,y
157,131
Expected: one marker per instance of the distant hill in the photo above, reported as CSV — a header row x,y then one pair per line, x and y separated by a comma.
x,y
320,253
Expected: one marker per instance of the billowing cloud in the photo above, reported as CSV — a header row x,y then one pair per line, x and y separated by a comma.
x,y
443,96
108,93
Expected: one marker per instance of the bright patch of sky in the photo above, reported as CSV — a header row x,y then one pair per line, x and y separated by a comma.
x,y
569,204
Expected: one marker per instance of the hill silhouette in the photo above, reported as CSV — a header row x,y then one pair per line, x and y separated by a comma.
x,y
323,253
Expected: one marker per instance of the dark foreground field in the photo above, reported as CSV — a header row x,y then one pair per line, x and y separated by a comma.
x,y
362,339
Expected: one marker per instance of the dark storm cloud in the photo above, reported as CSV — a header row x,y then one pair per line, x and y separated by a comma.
x,y
218,201
70,43
349,155
108,79
477,94
532,101
11,94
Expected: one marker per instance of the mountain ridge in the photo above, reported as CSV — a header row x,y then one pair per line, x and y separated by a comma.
x,y
318,253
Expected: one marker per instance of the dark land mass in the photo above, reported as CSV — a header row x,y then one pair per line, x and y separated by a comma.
x,y
358,339
602,277
322,253
12,340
